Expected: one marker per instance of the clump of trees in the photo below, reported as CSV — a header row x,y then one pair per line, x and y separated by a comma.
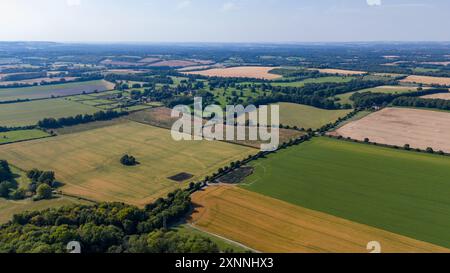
x,y
42,183
106,227
128,160
52,123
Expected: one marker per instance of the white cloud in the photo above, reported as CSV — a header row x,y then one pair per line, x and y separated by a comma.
x,y
229,6
183,4
374,2
73,3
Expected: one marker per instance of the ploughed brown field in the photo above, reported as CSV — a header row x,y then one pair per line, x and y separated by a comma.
x,y
427,80
270,225
258,72
400,126
340,71
442,96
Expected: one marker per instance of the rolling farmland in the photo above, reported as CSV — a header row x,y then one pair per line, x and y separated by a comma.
x,y
90,161
399,191
258,72
271,225
20,135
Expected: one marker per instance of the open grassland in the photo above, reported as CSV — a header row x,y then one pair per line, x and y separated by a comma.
x,y
270,225
331,79
400,126
88,162
9,207
20,135
399,191
340,71
258,72
55,90
29,113
427,80
345,98
304,116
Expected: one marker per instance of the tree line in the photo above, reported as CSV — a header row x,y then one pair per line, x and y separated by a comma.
x,y
52,123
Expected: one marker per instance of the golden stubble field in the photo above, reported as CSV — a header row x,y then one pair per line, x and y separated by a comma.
x,y
340,71
400,126
88,162
258,72
271,225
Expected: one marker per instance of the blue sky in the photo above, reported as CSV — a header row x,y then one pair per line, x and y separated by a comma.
x,y
225,20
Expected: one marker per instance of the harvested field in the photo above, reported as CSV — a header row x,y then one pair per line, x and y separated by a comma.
x,y
88,162
160,117
55,90
271,225
149,60
427,80
400,126
441,96
30,112
340,71
398,191
258,72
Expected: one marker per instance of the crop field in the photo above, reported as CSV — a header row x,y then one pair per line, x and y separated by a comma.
x,y
20,135
331,79
29,113
398,191
55,90
270,225
427,80
340,71
304,116
258,72
400,126
88,162
8,208
345,98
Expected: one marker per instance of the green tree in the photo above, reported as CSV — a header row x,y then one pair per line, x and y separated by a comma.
x,y
44,191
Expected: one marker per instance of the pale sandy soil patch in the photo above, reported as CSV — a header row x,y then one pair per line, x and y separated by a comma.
x,y
400,126
258,72
427,80
271,225
341,71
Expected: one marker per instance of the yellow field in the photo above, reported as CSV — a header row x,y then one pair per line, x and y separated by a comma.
x,y
270,225
88,162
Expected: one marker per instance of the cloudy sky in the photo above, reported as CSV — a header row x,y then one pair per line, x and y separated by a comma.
x,y
225,20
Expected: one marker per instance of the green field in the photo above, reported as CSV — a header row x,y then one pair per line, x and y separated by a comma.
x,y
47,91
345,98
14,136
304,116
399,191
29,113
88,162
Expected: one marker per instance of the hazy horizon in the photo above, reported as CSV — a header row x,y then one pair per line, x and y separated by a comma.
x,y
225,21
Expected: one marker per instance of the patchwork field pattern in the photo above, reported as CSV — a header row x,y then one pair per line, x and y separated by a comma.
x,y
271,225
427,80
398,191
88,162
400,126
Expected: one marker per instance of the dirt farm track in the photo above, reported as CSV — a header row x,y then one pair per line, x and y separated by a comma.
x,y
399,126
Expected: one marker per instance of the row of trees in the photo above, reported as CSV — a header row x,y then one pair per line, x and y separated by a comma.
x,y
52,123
106,227
422,103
